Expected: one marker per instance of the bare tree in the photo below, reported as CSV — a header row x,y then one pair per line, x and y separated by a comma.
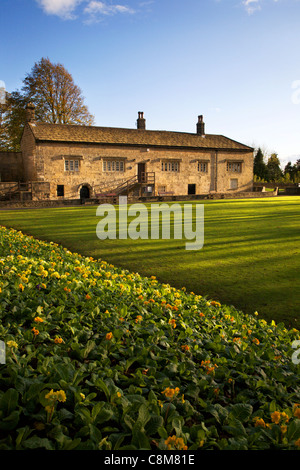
x,y
56,97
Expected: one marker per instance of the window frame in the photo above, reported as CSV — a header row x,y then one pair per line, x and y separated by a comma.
x,y
72,164
171,166
202,166
113,166
234,167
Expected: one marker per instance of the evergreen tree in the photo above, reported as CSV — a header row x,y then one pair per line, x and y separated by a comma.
x,y
259,167
274,172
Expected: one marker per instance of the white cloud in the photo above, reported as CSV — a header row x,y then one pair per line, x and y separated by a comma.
x,y
63,8
251,6
94,8
97,9
254,5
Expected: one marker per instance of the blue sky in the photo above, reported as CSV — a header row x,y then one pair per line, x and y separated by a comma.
x,y
237,62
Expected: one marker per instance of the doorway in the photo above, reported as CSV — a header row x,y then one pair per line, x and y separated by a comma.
x,y
84,192
191,189
141,172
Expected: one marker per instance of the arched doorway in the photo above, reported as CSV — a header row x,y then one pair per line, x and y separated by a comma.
x,y
84,192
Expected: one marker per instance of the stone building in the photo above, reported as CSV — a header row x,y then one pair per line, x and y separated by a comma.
x,y
72,161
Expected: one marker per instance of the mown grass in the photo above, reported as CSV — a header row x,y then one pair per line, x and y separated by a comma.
x,y
250,258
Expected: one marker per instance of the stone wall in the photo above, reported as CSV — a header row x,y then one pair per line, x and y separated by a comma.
x,y
50,166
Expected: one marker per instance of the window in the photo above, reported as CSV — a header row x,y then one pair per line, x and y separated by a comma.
x,y
113,165
203,167
170,166
234,183
71,165
60,190
234,167
161,189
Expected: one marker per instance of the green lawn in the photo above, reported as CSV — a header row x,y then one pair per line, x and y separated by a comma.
x,y
250,258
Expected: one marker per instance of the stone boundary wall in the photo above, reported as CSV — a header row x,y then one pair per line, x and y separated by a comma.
x,y
114,200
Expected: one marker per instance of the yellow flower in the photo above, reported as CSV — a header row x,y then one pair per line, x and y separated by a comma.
x,y
82,395
61,396
170,392
138,318
259,422
38,320
173,442
50,395
296,411
12,344
285,417
275,417
283,429
21,287
109,336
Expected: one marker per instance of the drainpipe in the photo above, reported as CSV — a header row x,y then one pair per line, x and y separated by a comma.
x,y
216,173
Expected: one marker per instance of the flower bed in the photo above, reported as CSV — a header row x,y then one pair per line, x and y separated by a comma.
x,y
101,358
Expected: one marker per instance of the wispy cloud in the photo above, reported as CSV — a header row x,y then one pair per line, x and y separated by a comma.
x,y
62,8
252,6
93,9
96,9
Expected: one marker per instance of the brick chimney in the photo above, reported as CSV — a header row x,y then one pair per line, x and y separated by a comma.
x,y
30,112
200,126
141,122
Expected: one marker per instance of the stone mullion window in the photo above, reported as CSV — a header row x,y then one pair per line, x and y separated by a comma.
x,y
203,167
113,166
234,167
71,164
170,166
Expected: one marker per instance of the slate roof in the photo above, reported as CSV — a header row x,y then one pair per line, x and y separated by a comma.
x,y
44,132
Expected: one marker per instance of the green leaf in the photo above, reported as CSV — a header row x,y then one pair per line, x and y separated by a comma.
x,y
9,401
102,386
235,428
241,411
10,422
293,432
89,347
143,416
36,442
153,425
